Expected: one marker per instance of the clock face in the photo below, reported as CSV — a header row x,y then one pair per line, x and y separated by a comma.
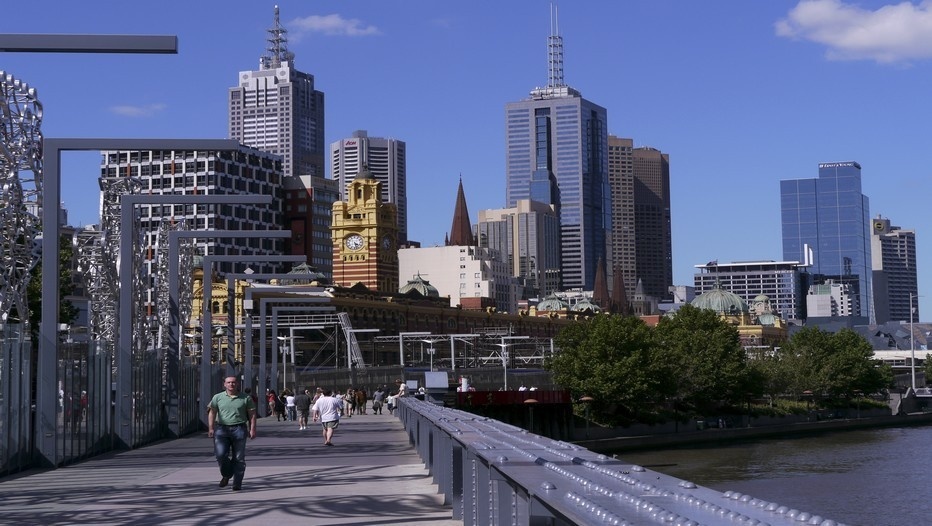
x,y
386,242
354,242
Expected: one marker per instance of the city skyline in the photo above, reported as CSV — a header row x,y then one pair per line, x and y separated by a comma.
x,y
740,96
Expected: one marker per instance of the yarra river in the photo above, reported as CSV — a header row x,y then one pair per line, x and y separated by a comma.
x,y
872,477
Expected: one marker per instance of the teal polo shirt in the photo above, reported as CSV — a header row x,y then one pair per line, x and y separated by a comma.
x,y
232,410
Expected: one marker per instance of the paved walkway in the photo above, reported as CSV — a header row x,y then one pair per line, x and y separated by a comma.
x,y
371,476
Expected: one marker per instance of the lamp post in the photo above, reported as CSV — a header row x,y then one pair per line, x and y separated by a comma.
x,y
504,347
588,401
912,342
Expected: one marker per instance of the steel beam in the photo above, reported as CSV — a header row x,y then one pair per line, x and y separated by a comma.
x,y
58,43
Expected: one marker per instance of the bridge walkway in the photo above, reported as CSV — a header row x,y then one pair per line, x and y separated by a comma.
x,y
371,476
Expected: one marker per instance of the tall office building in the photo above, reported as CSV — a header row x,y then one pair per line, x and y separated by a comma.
x,y
276,109
893,253
783,282
526,238
826,225
557,144
642,242
243,171
385,159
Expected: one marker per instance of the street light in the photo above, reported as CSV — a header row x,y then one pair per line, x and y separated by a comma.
x,y
912,342
286,350
430,352
504,347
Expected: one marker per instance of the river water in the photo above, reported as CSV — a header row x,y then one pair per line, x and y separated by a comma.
x,y
874,477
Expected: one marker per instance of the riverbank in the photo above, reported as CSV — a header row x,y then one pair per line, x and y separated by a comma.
x,y
715,436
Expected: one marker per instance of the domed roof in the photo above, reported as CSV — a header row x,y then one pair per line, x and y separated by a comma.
x,y
585,305
318,278
721,301
761,298
364,173
551,303
767,320
420,285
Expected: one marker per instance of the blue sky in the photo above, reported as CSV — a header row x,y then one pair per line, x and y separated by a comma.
x,y
740,94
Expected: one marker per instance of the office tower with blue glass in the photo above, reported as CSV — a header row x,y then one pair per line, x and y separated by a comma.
x,y
826,226
556,152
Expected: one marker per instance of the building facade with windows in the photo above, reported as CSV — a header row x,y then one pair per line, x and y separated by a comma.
x,y
277,109
895,278
642,240
556,143
783,282
385,159
243,171
308,213
826,226
528,238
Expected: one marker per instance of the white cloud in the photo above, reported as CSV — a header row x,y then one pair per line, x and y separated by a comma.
x,y
138,111
330,25
896,33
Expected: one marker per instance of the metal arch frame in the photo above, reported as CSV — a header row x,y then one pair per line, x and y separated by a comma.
x,y
172,357
128,204
247,328
206,314
46,397
46,371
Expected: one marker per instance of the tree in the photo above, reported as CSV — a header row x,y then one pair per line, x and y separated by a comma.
x,y
703,358
67,312
834,365
613,360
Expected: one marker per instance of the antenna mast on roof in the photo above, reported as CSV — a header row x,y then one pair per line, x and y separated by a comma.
x,y
555,51
278,46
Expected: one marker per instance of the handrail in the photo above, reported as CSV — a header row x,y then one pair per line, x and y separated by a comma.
x,y
494,473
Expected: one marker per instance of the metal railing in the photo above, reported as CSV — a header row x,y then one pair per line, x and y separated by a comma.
x,y
492,473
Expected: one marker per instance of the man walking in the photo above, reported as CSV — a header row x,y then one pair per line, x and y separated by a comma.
x,y
327,410
302,404
232,416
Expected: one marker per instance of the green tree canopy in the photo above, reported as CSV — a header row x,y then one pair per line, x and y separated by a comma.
x,y
612,359
703,358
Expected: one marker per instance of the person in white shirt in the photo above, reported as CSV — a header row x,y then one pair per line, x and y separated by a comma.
x,y
327,410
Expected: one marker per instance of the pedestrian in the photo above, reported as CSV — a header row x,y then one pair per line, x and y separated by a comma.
x,y
378,398
327,410
302,404
402,388
390,402
232,417
289,406
271,398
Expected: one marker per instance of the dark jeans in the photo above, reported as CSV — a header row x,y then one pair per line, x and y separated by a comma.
x,y
230,450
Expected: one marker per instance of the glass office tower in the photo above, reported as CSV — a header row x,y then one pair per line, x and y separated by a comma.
x,y
826,225
558,136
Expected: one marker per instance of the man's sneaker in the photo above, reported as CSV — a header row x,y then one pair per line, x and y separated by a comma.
x,y
237,488
224,481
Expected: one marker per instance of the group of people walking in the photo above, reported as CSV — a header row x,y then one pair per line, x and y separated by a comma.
x,y
232,417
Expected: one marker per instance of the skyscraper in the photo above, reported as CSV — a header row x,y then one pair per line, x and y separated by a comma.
x,y
558,136
277,110
642,243
893,252
826,226
385,159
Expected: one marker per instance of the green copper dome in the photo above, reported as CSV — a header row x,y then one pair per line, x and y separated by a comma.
x,y
551,303
585,305
420,285
721,301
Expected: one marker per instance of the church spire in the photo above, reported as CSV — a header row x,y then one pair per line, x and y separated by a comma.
x,y
278,46
461,231
600,291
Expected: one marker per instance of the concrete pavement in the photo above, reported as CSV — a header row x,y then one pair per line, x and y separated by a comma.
x,y
371,476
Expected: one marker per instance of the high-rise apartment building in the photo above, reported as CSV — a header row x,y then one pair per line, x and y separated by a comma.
x,y
641,241
276,109
826,225
243,171
893,256
385,159
526,236
557,143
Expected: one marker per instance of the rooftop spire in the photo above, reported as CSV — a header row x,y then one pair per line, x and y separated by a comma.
x,y
555,51
278,46
461,231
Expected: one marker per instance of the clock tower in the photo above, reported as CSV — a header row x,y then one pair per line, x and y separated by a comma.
x,y
365,237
